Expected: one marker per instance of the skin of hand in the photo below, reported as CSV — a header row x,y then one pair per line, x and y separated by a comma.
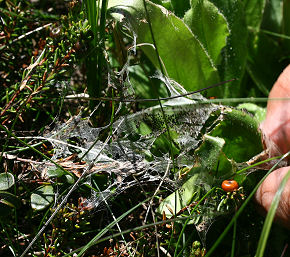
x,y
267,191
276,127
276,139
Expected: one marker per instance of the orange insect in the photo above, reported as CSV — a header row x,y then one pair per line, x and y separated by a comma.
x,y
230,185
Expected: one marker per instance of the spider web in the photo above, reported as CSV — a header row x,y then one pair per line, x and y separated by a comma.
x,y
129,157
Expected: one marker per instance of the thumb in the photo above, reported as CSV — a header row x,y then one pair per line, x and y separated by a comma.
x,y
266,192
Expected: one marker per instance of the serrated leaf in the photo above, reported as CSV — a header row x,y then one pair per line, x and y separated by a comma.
x,y
209,25
183,56
210,165
240,132
42,197
208,153
235,53
6,180
258,112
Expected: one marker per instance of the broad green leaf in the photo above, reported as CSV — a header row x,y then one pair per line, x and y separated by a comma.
x,y
181,53
42,197
6,180
240,132
162,144
258,112
211,158
189,192
208,153
56,172
69,179
144,86
273,15
180,7
210,27
254,10
208,157
235,53
165,3
263,64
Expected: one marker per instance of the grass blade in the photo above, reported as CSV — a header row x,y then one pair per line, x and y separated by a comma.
x,y
107,228
224,233
270,217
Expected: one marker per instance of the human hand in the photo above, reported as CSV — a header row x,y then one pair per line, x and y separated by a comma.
x,y
276,139
266,192
276,126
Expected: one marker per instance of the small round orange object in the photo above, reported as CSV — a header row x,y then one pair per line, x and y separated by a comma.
x,y
230,185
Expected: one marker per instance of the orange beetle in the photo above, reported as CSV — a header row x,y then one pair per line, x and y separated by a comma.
x,y
230,185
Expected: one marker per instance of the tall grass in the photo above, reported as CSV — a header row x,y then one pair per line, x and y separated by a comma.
x,y
95,63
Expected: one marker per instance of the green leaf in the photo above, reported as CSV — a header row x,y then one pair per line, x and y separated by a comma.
x,y
208,157
240,132
69,179
57,172
189,192
6,180
286,17
263,64
42,197
254,10
180,7
235,53
212,159
162,144
273,15
144,86
9,199
209,152
183,56
286,23
210,27
258,112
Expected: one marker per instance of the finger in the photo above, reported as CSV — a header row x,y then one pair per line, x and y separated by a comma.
x,y
266,192
276,127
